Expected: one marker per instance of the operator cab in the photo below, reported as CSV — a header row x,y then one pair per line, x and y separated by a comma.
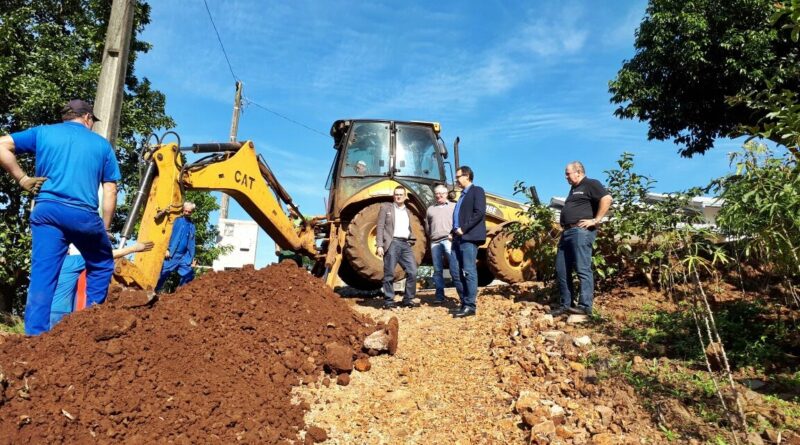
x,y
370,151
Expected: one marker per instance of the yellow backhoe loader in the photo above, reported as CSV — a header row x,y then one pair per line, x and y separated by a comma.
x,y
372,158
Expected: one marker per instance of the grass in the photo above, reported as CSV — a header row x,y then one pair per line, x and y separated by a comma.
x,y
752,336
757,342
670,435
719,440
790,410
11,324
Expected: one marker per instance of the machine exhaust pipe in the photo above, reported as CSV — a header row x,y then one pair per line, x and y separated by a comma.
x,y
455,151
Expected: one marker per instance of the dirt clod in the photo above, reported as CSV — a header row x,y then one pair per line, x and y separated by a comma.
x,y
363,365
316,434
338,358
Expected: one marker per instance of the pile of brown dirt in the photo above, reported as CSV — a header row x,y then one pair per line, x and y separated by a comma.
x,y
214,362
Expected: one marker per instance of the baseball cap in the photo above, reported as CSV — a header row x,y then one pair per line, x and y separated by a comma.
x,y
81,107
361,163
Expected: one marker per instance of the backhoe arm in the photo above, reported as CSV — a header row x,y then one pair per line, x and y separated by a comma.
x,y
238,173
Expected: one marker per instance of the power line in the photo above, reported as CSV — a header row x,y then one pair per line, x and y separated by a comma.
x,y
225,53
251,102
236,79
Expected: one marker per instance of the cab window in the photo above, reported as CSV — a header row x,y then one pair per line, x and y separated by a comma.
x,y
416,152
367,150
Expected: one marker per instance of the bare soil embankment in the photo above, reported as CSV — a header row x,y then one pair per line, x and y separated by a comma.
x,y
214,362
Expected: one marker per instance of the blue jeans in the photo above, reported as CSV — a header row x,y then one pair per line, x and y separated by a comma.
x,y
399,252
575,255
466,253
53,227
442,251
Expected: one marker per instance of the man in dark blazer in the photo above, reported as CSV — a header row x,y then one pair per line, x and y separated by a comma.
x,y
395,239
469,232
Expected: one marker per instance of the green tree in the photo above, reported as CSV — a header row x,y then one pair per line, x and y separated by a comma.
x,y
761,210
537,233
778,101
641,236
693,57
50,52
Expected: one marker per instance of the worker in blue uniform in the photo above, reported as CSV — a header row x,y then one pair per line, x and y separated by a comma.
x,y
71,164
180,254
71,270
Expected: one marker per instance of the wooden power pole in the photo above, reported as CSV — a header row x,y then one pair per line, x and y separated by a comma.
x,y
237,109
108,98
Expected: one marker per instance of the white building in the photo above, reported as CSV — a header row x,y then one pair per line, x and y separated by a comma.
x,y
707,206
243,236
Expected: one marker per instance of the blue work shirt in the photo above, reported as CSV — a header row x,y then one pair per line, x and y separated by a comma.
x,y
181,242
74,160
456,224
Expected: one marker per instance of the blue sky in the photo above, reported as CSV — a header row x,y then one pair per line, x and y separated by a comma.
x,y
524,84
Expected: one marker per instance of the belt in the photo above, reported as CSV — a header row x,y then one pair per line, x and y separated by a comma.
x,y
405,240
572,226
439,239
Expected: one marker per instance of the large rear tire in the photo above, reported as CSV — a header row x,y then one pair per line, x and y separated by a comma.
x,y
361,244
508,264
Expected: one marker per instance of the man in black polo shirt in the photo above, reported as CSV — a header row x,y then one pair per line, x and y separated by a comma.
x,y
586,205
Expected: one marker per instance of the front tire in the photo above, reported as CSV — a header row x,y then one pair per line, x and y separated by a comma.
x,y
352,279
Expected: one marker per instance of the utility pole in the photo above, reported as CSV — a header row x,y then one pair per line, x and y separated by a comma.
x,y
108,98
237,107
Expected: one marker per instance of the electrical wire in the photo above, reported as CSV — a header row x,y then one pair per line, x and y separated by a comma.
x,y
236,79
225,53
252,102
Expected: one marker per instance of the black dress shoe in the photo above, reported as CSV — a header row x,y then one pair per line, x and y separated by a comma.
x,y
388,306
466,312
408,304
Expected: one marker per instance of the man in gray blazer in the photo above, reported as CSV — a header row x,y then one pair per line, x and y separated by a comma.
x,y
395,239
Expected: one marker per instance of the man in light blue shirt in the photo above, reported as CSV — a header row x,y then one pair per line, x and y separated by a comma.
x,y
71,164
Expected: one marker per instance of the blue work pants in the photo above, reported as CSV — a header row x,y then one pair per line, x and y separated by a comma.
x,y
399,252
185,272
466,253
575,255
53,227
441,252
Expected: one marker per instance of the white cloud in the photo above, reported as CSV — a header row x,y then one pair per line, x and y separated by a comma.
x,y
564,34
470,77
533,124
